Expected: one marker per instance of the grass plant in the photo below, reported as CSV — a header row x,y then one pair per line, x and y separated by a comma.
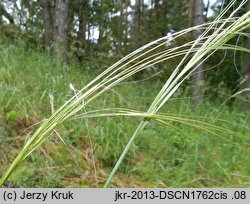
x,y
216,36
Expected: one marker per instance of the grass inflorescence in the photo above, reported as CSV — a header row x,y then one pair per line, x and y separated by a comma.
x,y
216,36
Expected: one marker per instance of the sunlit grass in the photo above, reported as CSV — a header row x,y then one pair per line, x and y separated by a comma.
x,y
153,53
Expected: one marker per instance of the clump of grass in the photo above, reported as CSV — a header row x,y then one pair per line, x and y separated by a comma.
x,y
208,45
193,53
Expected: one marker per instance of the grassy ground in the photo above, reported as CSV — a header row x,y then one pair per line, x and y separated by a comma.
x,y
31,86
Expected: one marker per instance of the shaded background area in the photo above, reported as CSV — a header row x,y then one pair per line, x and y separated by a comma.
x,y
46,45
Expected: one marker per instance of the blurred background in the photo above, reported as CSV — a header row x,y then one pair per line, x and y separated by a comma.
x,y
45,45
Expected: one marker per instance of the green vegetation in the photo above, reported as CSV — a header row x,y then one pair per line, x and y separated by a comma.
x,y
174,156
70,124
